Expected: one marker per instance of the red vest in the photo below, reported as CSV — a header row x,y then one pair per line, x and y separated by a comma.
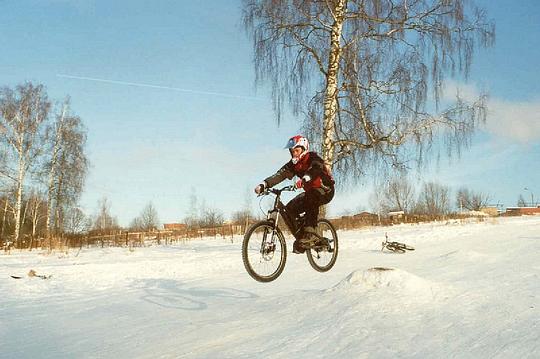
x,y
300,169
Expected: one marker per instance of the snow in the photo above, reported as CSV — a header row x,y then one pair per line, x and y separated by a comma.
x,y
469,290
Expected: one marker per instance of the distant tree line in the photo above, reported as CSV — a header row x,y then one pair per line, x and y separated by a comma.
x,y
43,164
43,168
200,215
431,198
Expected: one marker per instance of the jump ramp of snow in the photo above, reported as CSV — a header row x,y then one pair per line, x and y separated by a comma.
x,y
388,280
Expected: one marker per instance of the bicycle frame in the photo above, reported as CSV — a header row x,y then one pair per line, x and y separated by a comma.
x,y
279,208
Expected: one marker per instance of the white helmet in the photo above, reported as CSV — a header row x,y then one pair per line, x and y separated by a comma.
x,y
298,141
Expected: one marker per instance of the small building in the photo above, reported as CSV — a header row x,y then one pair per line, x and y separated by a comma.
x,y
396,216
356,221
364,215
520,211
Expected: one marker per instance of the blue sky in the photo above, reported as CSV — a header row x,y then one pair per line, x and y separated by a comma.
x,y
204,127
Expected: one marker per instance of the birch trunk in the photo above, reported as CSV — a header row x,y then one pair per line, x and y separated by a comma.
x,y
35,206
23,114
34,226
58,218
330,97
50,190
4,219
18,200
52,171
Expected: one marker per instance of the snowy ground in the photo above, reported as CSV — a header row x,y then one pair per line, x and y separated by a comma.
x,y
468,291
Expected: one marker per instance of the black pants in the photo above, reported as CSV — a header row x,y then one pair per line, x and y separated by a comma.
x,y
309,202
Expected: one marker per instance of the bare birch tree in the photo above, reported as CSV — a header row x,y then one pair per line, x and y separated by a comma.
x,y
104,222
136,224
521,201
397,194
365,74
66,166
434,199
473,201
147,221
36,208
5,218
210,217
243,215
192,218
23,112
76,221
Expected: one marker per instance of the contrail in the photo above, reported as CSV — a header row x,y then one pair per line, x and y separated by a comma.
x,y
157,87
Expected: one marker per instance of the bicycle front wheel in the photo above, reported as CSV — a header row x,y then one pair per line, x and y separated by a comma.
x,y
264,251
323,255
409,248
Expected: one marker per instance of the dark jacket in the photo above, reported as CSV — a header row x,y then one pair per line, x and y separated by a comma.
x,y
310,164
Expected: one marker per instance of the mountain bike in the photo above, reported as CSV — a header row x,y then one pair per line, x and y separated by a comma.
x,y
395,246
264,250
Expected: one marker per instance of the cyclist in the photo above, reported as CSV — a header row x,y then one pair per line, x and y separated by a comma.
x,y
316,180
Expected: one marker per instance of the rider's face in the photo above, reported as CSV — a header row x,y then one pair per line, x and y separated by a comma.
x,y
296,152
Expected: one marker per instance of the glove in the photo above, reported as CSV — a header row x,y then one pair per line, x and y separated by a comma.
x,y
260,188
302,181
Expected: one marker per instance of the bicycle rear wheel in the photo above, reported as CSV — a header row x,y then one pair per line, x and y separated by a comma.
x,y
264,251
392,246
323,255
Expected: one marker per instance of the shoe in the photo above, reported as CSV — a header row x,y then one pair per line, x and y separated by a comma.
x,y
310,237
297,247
308,241
309,230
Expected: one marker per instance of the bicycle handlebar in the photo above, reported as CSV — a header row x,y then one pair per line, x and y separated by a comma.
x,y
277,191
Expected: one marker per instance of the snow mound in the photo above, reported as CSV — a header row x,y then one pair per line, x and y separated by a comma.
x,y
394,280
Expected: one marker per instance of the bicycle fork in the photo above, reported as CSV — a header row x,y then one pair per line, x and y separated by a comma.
x,y
269,245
